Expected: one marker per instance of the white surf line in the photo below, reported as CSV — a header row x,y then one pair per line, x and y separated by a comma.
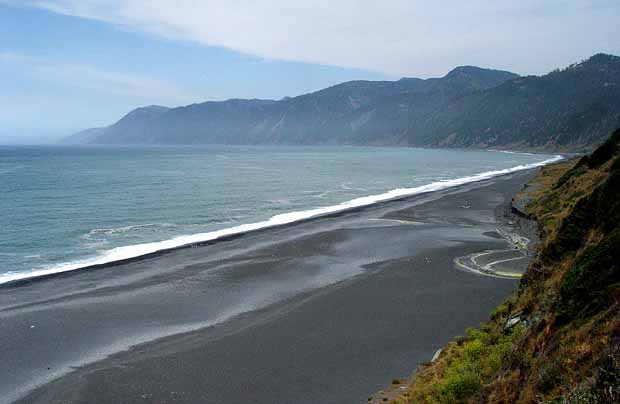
x,y
487,269
514,239
401,221
138,250
510,275
489,266
494,274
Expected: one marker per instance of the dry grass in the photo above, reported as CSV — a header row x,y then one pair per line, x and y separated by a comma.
x,y
546,362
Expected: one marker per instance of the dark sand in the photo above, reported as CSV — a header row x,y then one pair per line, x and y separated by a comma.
x,y
324,311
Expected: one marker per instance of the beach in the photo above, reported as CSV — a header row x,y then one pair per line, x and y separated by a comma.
x,y
324,310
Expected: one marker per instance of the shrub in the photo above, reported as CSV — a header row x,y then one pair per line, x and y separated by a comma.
x,y
460,382
473,363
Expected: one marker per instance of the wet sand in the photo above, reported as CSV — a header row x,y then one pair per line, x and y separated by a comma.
x,y
328,310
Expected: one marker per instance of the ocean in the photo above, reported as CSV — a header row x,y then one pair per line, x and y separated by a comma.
x,y
67,207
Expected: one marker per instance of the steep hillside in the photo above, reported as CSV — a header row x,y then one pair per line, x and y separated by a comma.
x,y
557,340
575,107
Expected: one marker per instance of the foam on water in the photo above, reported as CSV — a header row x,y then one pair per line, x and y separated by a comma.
x,y
133,251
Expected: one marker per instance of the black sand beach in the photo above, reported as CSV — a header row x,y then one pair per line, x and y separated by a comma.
x,y
324,311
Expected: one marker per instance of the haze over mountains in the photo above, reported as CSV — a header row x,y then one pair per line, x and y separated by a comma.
x,y
572,109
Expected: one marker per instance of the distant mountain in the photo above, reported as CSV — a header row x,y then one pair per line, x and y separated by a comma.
x,y
470,106
85,137
356,112
135,123
573,108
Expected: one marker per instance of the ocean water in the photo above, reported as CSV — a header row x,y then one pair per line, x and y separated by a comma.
x,y
64,208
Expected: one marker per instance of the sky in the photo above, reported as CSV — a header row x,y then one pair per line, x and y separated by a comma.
x,y
67,65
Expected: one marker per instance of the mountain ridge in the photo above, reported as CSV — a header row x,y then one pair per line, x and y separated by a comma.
x,y
571,108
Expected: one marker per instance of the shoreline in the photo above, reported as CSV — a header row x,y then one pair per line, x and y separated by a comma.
x,y
296,272
223,239
230,233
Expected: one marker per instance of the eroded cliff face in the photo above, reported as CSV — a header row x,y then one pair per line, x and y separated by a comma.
x,y
556,340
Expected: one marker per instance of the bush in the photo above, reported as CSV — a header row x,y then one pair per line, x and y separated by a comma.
x,y
473,363
459,383
473,350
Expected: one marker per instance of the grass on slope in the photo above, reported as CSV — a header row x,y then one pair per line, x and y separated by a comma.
x,y
556,340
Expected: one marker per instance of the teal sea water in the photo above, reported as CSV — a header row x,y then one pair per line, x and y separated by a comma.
x,y
63,208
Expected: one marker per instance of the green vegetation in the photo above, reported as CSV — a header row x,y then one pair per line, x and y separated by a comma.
x,y
604,153
482,355
593,282
557,340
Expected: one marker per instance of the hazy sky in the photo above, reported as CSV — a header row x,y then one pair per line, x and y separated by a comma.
x,y
66,65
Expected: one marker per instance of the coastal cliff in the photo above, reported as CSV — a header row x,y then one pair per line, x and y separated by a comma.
x,y
557,339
